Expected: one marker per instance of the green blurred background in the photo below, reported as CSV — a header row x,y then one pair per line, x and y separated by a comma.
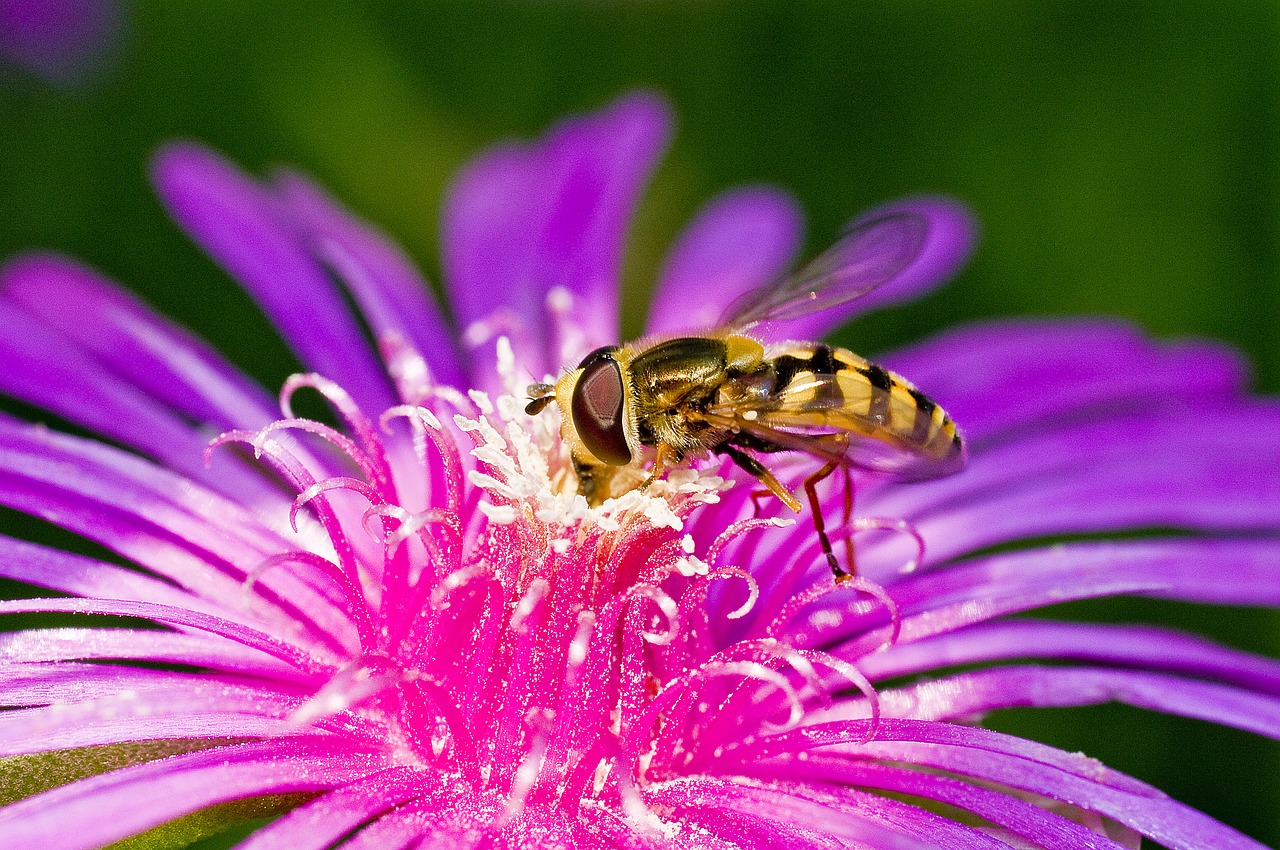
x,y
1121,157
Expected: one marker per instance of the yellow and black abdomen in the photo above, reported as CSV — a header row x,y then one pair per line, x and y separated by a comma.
x,y
905,431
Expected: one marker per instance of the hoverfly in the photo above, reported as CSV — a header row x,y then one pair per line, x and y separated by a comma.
x,y
725,392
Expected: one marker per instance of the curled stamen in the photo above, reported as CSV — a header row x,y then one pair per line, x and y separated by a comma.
x,y
901,526
813,594
666,605
855,677
356,603
427,427
341,441
342,403
740,528
327,485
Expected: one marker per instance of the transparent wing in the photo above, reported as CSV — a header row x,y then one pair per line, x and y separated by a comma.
x,y
869,255
844,418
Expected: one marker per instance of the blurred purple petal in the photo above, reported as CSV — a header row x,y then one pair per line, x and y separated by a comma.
x,y
242,226
392,295
61,41
525,219
47,370
740,240
154,355
995,377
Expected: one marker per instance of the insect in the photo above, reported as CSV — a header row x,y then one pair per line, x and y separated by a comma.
x,y
727,393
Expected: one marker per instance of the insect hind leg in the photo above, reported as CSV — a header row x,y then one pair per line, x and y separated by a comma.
x,y
815,508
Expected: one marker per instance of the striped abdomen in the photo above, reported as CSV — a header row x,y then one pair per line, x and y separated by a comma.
x,y
822,387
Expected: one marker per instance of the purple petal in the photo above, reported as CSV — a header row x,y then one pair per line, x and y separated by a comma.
x,y
157,519
1034,823
741,240
525,219
44,368
1232,572
1017,763
245,228
1138,647
121,333
999,376
1152,468
60,40
320,823
289,653
952,233
43,645
799,815
392,295
96,811
967,695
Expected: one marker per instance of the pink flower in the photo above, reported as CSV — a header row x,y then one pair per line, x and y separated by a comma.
x,y
412,620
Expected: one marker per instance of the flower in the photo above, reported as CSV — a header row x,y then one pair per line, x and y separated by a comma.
x,y
407,628
61,41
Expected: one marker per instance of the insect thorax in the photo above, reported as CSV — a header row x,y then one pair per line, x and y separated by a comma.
x,y
675,379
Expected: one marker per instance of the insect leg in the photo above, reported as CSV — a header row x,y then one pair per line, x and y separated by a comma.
x,y
815,507
659,466
850,557
755,468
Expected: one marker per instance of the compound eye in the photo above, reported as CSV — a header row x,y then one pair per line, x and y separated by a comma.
x,y
597,412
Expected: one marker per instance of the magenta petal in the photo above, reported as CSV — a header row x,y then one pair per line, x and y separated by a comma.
x,y
43,645
524,219
952,234
739,241
96,811
243,226
393,297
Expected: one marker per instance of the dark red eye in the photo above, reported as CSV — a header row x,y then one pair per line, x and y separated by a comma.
x,y
597,411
